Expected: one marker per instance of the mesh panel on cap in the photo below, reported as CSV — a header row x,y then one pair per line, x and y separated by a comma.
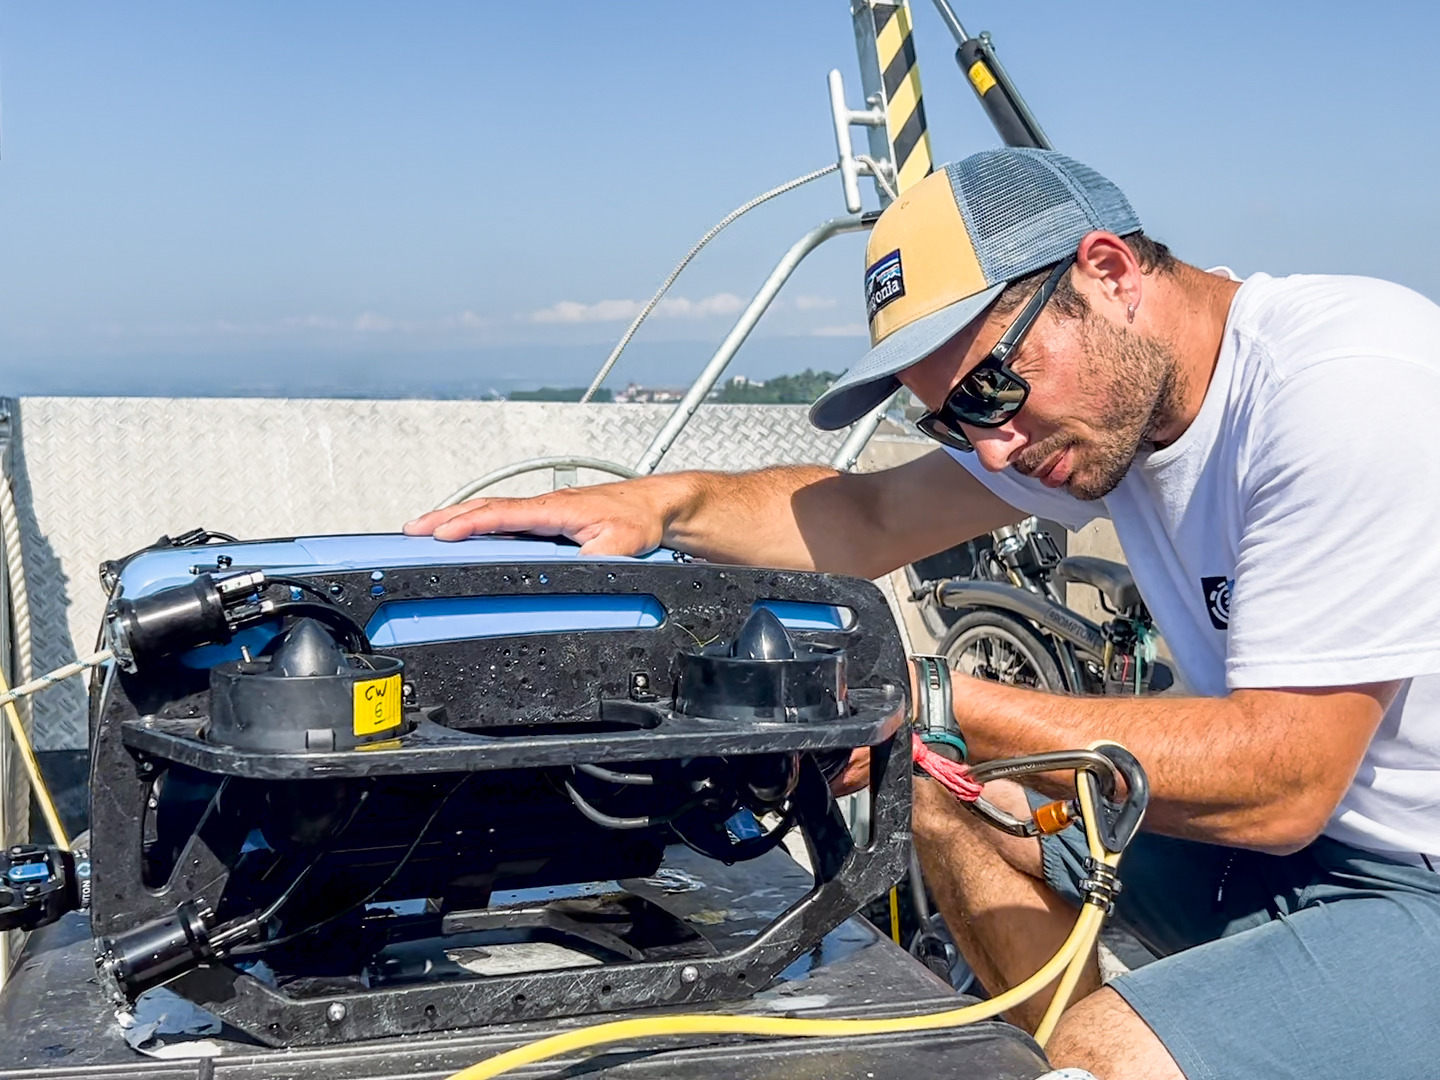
x,y
1109,208
1026,208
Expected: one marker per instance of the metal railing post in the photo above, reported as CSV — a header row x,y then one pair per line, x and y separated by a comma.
x,y
705,382
860,432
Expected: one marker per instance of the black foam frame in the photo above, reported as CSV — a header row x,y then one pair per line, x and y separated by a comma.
x,y
559,682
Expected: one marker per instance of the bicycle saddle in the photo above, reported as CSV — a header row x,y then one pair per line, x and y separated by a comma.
x,y
1113,579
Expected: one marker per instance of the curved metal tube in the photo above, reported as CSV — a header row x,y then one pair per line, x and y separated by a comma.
x,y
705,382
1061,621
860,432
610,776
535,465
1093,763
1001,819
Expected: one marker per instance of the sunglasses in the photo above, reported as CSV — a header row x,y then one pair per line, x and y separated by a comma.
x,y
991,394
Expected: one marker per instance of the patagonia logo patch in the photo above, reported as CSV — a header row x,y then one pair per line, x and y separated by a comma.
x,y
884,283
1217,599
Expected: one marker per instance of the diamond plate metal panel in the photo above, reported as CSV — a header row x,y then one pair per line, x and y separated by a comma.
x,y
98,477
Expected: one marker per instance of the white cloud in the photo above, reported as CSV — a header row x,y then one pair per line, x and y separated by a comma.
x,y
720,304
302,322
370,323
678,307
814,303
841,330
572,311
307,327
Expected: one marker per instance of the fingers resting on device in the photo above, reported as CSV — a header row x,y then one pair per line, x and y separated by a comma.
x,y
604,520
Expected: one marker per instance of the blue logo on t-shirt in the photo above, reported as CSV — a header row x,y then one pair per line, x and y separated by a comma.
x,y
1217,599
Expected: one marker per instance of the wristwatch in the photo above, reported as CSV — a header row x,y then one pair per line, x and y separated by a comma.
x,y
935,710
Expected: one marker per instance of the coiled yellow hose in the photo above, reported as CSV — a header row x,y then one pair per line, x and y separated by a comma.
x,y
1068,964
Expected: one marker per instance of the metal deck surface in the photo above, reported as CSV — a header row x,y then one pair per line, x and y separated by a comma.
x,y
58,1028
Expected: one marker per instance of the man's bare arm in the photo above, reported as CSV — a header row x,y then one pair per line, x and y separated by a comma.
x,y
806,517
1260,769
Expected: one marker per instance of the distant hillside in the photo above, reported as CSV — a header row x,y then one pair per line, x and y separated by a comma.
x,y
799,389
561,393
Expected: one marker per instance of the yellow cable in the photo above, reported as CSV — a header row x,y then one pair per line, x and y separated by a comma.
x,y
708,1024
1077,966
895,914
1072,955
32,769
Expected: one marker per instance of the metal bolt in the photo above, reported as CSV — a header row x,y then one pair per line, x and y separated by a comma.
x,y
689,974
335,1013
640,687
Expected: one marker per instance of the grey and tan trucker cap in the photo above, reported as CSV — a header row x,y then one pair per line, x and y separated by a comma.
x,y
948,246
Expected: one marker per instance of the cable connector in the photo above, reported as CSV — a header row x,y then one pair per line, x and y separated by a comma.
x,y
205,611
40,884
1101,885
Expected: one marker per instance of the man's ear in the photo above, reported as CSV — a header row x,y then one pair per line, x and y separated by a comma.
x,y
1109,274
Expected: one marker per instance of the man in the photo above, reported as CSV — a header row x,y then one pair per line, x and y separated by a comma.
x,y
1264,450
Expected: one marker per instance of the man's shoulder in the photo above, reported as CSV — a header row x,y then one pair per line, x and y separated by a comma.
x,y
1304,320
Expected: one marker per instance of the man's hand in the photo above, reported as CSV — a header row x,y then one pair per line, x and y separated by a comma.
x,y
607,519
800,517
856,774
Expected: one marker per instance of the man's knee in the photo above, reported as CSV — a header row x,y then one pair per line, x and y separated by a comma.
x,y
1103,1034
941,823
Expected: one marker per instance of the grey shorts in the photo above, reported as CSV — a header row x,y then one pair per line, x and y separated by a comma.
x,y
1322,965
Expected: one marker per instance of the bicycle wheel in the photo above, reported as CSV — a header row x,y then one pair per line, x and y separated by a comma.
x,y
998,646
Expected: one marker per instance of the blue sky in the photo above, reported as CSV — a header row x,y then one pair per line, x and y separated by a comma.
x,y
442,197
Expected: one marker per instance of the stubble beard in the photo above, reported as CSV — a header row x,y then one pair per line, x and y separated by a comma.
x,y
1132,392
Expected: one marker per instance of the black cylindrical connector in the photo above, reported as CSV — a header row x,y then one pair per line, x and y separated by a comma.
x,y
156,952
167,622
978,67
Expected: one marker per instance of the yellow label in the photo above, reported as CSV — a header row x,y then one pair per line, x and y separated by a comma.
x,y
383,744
377,705
981,78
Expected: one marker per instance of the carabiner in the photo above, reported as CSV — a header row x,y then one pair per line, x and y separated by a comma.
x,y
1097,767
1118,822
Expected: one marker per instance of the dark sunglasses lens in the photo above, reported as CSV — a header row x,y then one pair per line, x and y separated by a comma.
x,y
988,397
942,432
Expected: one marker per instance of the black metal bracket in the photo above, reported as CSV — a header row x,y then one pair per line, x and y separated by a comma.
x,y
508,711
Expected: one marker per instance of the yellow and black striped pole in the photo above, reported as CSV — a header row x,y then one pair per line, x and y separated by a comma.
x,y
904,104
889,72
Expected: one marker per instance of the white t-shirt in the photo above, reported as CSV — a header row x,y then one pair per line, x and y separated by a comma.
x,y
1291,536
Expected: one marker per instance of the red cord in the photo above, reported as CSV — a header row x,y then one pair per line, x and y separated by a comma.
x,y
954,776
